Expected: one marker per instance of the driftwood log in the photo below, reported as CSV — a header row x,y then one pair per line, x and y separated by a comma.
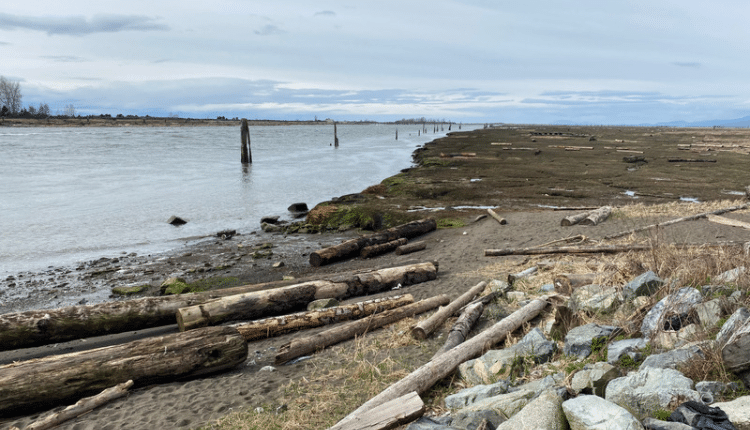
x,y
597,216
299,347
513,277
593,217
81,407
574,219
373,250
402,410
426,327
426,376
728,221
352,247
276,326
47,381
411,247
566,250
460,329
497,217
40,327
261,304
676,220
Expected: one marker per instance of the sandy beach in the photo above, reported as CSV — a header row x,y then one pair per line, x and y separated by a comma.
x,y
458,250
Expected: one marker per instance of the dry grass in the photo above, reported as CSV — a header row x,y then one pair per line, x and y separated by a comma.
x,y
335,387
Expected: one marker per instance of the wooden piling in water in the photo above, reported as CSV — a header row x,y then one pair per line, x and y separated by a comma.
x,y
396,134
335,137
247,156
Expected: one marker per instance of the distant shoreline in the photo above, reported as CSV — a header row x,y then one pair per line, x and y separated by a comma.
x,y
147,121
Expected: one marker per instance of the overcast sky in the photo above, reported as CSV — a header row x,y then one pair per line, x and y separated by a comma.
x,y
535,61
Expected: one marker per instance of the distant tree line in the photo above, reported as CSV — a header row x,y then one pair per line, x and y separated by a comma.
x,y
422,120
11,106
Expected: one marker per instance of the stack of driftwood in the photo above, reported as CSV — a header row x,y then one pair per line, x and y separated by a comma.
x,y
202,346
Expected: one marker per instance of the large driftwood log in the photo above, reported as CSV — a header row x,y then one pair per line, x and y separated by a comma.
x,y
389,415
426,327
373,250
40,327
460,330
352,247
299,347
676,220
50,380
426,376
411,247
81,407
275,326
566,250
292,298
728,221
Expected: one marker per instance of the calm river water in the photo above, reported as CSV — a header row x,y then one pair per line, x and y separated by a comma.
x,y
68,195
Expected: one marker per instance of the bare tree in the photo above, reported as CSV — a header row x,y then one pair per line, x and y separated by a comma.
x,y
10,95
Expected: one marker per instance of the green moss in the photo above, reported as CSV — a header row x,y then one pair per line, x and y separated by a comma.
x,y
129,291
450,223
177,288
216,283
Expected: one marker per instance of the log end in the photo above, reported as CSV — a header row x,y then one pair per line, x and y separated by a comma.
x,y
418,333
315,259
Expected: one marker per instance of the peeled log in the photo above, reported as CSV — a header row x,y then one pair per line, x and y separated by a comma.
x,y
299,347
43,382
461,328
292,298
352,247
373,250
573,219
443,365
389,415
411,247
426,327
275,326
597,216
81,407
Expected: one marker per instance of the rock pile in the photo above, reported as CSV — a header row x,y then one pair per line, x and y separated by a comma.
x,y
613,382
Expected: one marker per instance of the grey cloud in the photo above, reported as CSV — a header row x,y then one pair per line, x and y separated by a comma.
x,y
79,25
4,43
268,30
693,64
325,13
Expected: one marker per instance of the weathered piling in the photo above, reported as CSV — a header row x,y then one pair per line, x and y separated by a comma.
x,y
335,136
247,156
396,134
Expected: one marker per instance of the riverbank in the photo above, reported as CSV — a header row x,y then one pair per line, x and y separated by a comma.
x,y
471,174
